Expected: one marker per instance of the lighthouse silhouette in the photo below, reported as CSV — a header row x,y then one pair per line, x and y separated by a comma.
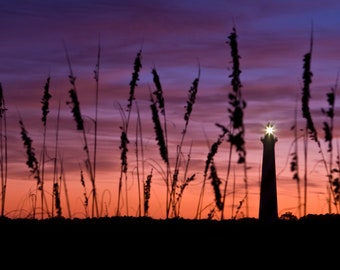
x,y
268,194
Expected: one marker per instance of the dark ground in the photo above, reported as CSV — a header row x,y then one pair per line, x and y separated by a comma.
x,y
172,243
243,228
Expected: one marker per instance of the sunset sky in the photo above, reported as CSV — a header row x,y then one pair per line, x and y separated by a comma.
x,y
181,40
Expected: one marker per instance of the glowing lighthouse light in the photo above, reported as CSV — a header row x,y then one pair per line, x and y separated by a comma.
x,y
269,129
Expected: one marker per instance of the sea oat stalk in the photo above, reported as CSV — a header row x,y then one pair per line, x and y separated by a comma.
x,y
139,158
45,110
183,185
147,193
86,200
75,109
310,130
192,93
56,195
96,77
294,163
216,182
328,127
124,131
236,115
3,150
32,161
159,107
210,158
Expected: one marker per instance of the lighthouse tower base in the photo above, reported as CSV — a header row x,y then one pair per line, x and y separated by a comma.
x,y
268,195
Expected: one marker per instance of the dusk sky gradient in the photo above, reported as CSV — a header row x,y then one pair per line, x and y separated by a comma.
x,y
179,39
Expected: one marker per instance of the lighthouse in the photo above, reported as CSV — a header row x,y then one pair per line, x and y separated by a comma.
x,y
268,196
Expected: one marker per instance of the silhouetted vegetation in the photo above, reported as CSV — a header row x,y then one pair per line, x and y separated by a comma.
x,y
176,181
245,226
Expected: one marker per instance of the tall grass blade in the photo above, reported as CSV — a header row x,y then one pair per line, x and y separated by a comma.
x,y
3,151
